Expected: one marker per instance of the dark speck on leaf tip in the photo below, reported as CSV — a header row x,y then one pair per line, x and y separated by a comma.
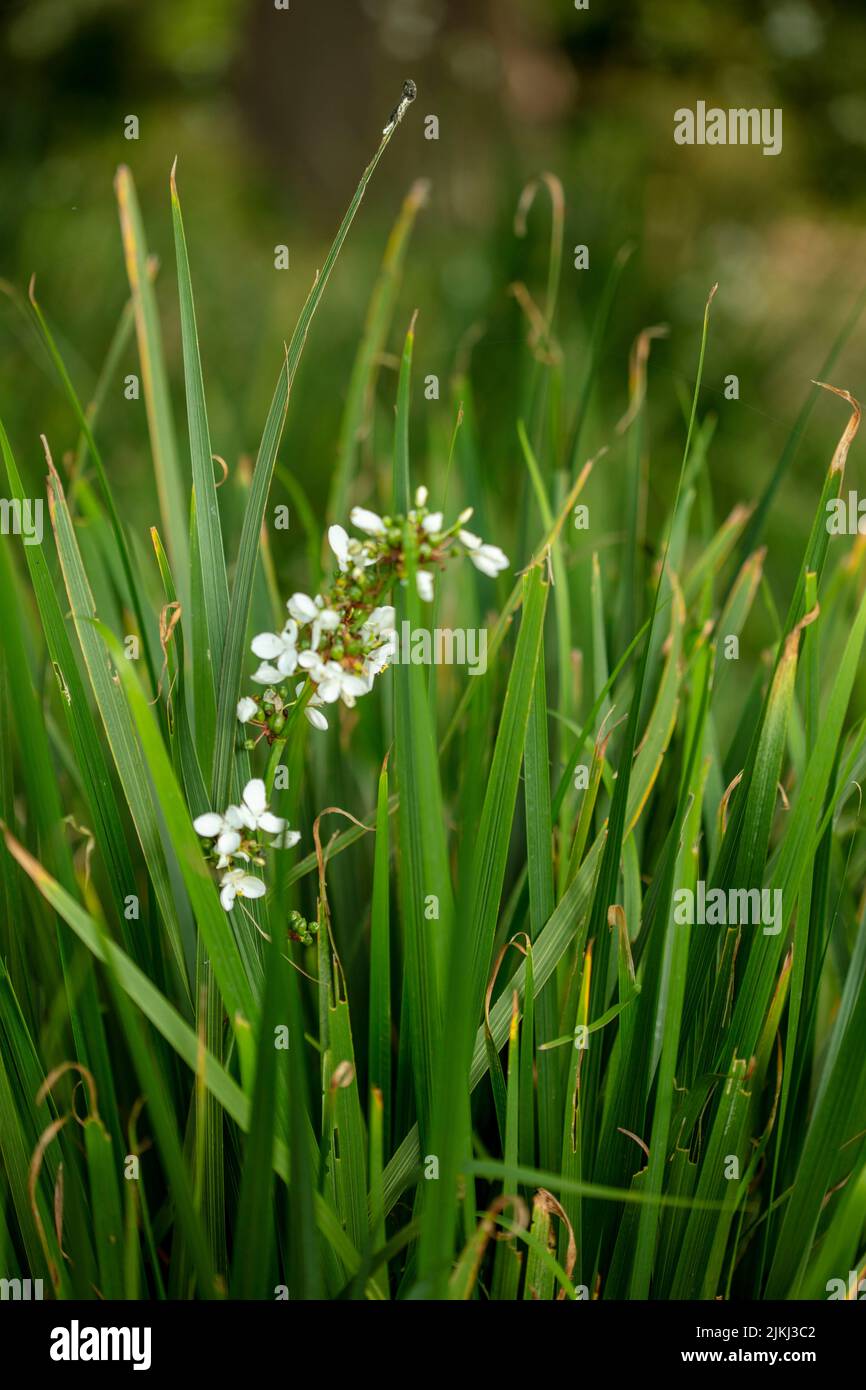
x,y
408,95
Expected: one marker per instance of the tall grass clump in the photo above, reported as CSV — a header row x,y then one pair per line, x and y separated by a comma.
x,y
329,969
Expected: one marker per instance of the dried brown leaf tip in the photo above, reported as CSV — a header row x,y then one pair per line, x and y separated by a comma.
x,y
853,425
637,371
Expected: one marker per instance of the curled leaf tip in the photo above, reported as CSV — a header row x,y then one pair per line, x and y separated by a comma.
x,y
837,464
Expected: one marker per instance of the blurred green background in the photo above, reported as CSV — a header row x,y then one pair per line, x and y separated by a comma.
x,y
273,114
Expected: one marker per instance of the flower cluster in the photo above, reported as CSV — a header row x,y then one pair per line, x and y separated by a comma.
x,y
333,646
235,835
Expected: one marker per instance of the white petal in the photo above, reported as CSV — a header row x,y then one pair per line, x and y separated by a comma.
x,y
254,796
367,521
246,709
354,686
432,523
250,887
209,824
329,690
338,539
424,581
421,497
316,718
271,824
266,675
381,620
287,663
378,660
329,620
287,840
489,559
228,842
266,645
233,818
302,608
466,538
227,896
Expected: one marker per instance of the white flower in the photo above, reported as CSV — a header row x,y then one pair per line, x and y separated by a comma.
x,y
424,581
246,709
489,559
253,810
380,623
238,883
432,523
366,521
421,497
279,653
465,516
338,540
334,683
302,608
350,552
223,829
